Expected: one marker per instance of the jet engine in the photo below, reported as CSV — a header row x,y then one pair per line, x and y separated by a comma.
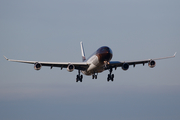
x,y
125,66
152,64
37,66
70,67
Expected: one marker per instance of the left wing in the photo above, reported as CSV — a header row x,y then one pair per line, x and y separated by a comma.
x,y
77,65
151,62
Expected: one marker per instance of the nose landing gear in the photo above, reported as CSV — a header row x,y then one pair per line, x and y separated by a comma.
x,y
94,76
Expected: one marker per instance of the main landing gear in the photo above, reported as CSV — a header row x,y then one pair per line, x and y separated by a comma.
x,y
110,76
79,77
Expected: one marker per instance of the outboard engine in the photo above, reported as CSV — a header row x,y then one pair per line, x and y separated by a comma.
x,y
125,66
70,67
152,64
37,66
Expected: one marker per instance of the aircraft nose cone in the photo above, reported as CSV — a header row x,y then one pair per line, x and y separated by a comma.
x,y
104,54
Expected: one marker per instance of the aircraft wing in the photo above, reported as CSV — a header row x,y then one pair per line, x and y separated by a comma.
x,y
77,65
115,64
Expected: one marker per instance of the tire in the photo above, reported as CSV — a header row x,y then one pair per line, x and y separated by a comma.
x,y
112,76
92,76
95,76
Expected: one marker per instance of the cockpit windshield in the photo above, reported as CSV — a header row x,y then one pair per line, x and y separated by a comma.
x,y
104,49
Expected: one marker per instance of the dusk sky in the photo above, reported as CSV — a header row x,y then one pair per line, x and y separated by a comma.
x,y
51,30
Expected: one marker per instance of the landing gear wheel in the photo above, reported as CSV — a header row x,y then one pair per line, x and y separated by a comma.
x,y
81,78
77,78
95,76
112,77
92,76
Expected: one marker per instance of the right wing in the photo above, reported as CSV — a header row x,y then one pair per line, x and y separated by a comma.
x,y
115,64
77,65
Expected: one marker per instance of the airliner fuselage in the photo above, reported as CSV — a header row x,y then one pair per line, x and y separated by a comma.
x,y
98,60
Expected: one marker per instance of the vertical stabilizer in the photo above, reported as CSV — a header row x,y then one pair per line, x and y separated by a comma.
x,y
82,52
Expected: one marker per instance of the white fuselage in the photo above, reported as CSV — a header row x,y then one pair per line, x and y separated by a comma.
x,y
98,60
94,66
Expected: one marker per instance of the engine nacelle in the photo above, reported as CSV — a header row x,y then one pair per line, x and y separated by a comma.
x,y
125,66
37,66
70,67
152,64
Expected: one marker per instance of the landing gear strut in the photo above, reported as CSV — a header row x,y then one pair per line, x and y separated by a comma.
x,y
110,76
79,77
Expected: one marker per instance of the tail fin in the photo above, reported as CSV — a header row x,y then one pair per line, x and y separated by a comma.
x,y
82,52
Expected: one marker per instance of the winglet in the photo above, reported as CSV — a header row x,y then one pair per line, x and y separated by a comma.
x,y
5,57
174,54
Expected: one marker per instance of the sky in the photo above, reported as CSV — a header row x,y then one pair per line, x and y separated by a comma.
x,y
51,30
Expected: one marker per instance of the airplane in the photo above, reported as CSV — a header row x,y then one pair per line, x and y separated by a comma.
x,y
98,62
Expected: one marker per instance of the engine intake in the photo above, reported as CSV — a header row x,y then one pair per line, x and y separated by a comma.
x,y
152,64
37,66
70,67
125,66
